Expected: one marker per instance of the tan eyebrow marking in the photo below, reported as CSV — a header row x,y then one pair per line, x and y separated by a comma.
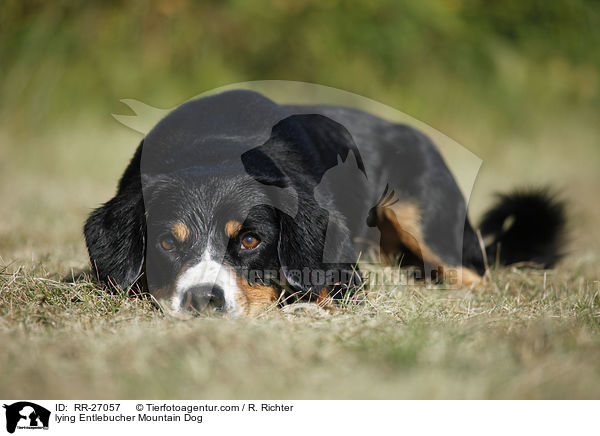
x,y
180,231
232,228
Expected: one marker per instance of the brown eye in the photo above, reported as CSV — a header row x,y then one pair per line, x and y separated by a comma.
x,y
249,242
168,244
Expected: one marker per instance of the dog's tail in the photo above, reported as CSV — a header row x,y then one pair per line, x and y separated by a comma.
x,y
525,226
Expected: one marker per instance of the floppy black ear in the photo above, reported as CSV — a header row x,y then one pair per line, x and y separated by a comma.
x,y
299,152
301,253
115,232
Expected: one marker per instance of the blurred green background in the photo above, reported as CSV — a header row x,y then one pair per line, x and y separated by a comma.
x,y
515,81
508,62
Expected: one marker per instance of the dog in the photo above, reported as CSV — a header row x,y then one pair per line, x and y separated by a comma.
x,y
232,203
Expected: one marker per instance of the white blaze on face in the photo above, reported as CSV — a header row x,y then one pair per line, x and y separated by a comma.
x,y
207,272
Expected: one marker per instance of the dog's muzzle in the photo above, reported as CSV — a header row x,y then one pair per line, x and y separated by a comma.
x,y
204,299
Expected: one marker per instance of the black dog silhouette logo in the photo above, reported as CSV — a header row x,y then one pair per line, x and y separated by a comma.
x,y
26,415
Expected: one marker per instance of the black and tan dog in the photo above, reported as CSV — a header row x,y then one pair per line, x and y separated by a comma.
x,y
233,201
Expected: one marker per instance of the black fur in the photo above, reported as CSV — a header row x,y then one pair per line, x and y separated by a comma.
x,y
115,232
525,226
313,143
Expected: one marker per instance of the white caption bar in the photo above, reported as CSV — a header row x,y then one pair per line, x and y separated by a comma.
x,y
41,417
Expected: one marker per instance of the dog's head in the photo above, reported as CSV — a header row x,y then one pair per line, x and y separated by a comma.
x,y
224,228
212,243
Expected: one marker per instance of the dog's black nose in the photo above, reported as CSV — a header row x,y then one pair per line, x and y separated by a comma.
x,y
206,298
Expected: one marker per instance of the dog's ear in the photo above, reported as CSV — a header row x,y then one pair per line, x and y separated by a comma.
x,y
298,154
301,250
115,232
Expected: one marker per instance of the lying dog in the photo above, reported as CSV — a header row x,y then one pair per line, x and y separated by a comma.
x,y
233,201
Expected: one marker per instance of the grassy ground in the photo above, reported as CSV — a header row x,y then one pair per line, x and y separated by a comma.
x,y
526,334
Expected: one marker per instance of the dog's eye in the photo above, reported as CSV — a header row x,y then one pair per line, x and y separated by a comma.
x,y
249,242
168,244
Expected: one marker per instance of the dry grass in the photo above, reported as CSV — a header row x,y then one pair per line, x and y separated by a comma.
x,y
528,334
